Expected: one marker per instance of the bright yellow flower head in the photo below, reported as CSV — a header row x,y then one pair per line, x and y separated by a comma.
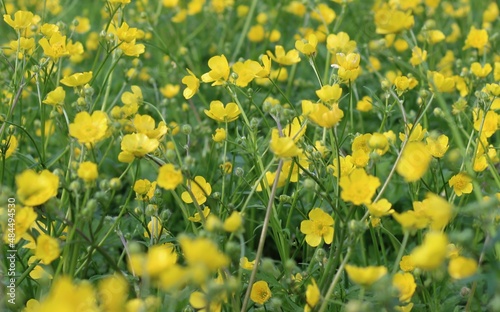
x,y
47,249
169,177
307,47
405,284
87,171
146,124
319,227
365,104
358,187
22,20
233,222
437,146
55,47
322,115
200,189
78,79
89,128
113,292
487,124
260,292
197,218
349,68
324,14
246,264
461,183
55,97
432,252
24,219
169,90
313,295
160,258
65,296
340,43
329,93
365,276
144,189
284,58
11,143
477,38
480,71
35,189
418,56
136,145
380,208
204,253
219,72
192,85
283,147
414,161
221,113
220,135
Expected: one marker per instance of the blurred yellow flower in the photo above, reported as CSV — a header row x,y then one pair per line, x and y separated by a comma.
x,y
200,189
112,291
414,162
55,97
284,58
329,93
87,171
233,222
283,147
47,249
192,85
64,295
406,264
365,104
219,135
390,20
22,20
168,177
313,295
10,145
437,146
197,218
418,56
431,253
405,284
245,264
319,227
260,292
35,189
365,276
462,267
55,47
322,115
480,71
308,45
380,208
136,145
204,253
477,38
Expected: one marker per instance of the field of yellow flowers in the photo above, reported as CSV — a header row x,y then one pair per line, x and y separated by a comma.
x,y
249,155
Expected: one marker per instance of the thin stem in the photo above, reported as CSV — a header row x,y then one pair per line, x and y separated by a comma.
x,y
335,281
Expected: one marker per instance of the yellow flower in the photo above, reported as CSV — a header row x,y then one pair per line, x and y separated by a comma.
x,y
329,93
461,267
477,38
192,85
55,47
405,284
480,71
144,189
340,43
461,183
246,72
283,147
24,219
55,97
202,252
146,124
35,189
437,146
219,72
133,98
323,14
487,124
221,113
233,222
160,258
132,49
319,227
169,90
391,20
89,129
432,252
418,56
245,264
346,166
260,292
348,64
322,115
313,295
113,293
256,33
414,162
197,217
365,104
284,58
219,135
307,47
406,264
87,171
9,146
365,276
358,187
411,220
22,20
65,296
380,208
200,189
47,249
78,79
136,145
168,177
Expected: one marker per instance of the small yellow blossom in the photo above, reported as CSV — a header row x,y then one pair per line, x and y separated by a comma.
x,y
245,264
47,249
284,58
219,72
260,292
461,183
358,187
319,227
22,20
34,189
233,222
168,177
462,267
200,189
405,284
431,253
78,79
218,112
313,295
365,276
87,171
219,135
414,162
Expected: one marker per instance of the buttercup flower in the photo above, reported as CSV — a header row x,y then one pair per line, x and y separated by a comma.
x,y
55,47
414,161
22,20
219,72
47,248
432,252
192,85
197,218
78,79
233,222
319,227
136,145
461,183
283,147
313,295
89,128
221,113
365,276
405,284
246,264
462,267
358,187
219,135
289,58
307,47
87,171
200,189
260,292
168,177
477,38
55,97
35,189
